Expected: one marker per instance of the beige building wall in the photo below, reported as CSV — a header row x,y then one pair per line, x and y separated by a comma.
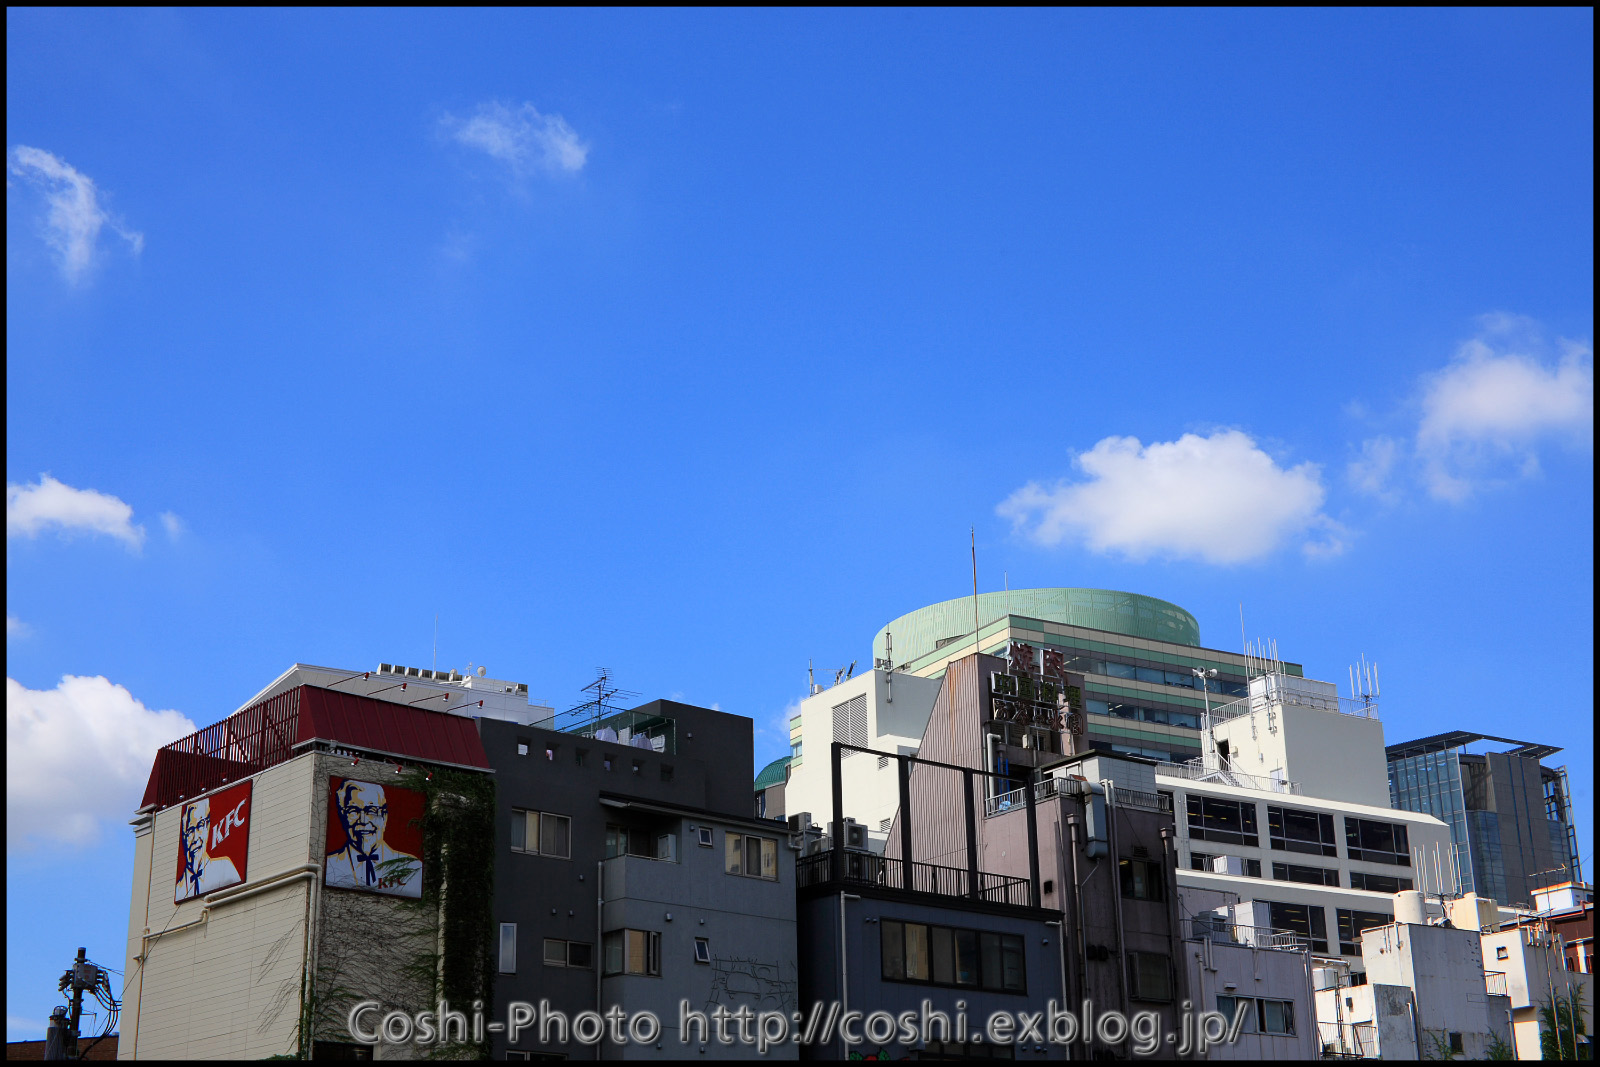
x,y
219,977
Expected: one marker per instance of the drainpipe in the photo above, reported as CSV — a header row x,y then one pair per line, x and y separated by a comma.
x,y
1061,953
600,933
1116,895
1075,842
844,968
1169,853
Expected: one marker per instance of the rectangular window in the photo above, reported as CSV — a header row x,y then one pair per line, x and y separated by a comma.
x,y
751,856
1293,830
632,952
1230,1007
558,953
1307,920
702,950
1150,976
541,833
941,955
1378,883
1376,842
703,836
1225,821
1200,861
1352,923
1142,880
1294,872
1275,1016
508,948
628,841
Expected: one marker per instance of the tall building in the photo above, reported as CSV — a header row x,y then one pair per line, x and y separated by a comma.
x,y
1278,788
333,842
1510,817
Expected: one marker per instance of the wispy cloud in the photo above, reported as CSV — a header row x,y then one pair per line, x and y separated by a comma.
x,y
31,509
72,226
77,757
15,627
523,138
1504,394
173,525
1373,473
1219,499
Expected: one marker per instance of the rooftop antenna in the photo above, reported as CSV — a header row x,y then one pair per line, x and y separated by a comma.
x,y
1364,681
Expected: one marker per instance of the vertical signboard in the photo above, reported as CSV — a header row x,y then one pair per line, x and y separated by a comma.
x,y
374,838
213,842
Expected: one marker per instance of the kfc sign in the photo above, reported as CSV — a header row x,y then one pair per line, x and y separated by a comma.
x,y
213,842
374,840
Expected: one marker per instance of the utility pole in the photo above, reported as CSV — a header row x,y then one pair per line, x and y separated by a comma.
x,y
83,977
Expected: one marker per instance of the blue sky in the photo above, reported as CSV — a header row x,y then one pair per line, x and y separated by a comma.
x,y
692,344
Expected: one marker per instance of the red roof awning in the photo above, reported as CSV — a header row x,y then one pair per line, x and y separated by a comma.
x,y
277,728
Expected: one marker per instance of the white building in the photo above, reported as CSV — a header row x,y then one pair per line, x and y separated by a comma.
x,y
1528,959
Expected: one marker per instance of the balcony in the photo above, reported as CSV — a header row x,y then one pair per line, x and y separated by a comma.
x,y
1196,771
1221,931
1052,787
884,872
1494,983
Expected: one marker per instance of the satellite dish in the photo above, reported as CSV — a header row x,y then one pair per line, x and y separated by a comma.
x,y
482,671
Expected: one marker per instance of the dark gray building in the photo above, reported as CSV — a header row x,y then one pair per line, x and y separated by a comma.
x,y
1510,816
630,872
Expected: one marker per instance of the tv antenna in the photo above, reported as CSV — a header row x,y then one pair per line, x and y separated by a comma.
x,y
1364,681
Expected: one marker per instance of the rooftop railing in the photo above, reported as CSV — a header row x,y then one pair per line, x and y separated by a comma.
x,y
887,872
1205,928
1196,770
1051,787
1348,1041
1361,709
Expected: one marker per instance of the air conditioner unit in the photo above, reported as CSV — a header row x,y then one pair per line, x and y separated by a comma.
x,y
1228,865
800,822
855,834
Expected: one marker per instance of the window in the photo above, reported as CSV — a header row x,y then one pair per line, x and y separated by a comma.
x,y
1307,920
942,955
1226,821
1229,1007
580,756
541,833
1142,880
1501,952
1150,976
1293,830
522,748
559,953
702,950
1376,842
1294,872
1455,1042
508,948
1275,1016
1235,865
751,856
550,753
1351,923
632,952
1378,883
703,835
631,841
666,773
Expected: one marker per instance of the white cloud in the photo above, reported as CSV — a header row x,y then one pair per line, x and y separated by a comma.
x,y
173,525
1219,499
78,756
15,627
76,217
32,508
522,138
1374,471
1486,413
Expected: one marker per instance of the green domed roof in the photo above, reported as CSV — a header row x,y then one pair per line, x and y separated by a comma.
x,y
922,631
772,773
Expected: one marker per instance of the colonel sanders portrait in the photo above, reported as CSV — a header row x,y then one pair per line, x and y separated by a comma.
x,y
202,872
366,860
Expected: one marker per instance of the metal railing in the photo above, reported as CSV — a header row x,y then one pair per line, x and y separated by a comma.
x,y
1348,1040
1138,798
1203,928
1195,770
1361,709
1051,787
247,741
1494,983
871,869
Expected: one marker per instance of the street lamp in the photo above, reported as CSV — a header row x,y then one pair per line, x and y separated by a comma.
x,y
1205,693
